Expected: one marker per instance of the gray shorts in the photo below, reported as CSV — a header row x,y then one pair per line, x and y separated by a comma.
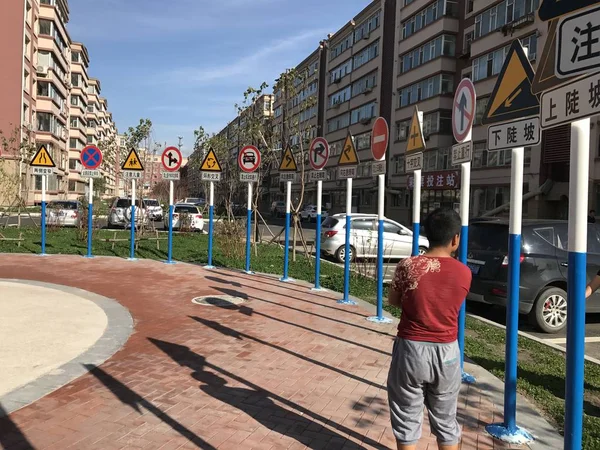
x,y
424,373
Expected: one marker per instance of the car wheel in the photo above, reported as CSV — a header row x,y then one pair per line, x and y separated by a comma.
x,y
422,250
340,254
549,312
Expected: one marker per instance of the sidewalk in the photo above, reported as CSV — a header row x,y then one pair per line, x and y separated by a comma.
x,y
287,368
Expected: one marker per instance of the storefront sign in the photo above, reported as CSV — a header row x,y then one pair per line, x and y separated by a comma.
x,y
445,179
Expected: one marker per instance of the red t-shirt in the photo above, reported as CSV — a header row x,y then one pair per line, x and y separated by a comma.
x,y
432,291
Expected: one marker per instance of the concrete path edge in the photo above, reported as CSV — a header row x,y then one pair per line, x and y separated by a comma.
x,y
118,329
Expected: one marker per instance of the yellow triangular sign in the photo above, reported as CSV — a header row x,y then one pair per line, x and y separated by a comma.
x,y
288,162
349,156
416,143
132,162
42,158
210,163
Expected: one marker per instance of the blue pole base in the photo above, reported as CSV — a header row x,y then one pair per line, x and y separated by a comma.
x,y
210,267
467,378
248,272
377,319
42,254
88,256
132,259
287,280
319,289
518,436
347,302
169,262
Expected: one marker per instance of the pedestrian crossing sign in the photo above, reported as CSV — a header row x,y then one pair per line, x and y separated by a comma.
x,y
210,163
132,162
288,162
416,141
42,158
349,156
512,97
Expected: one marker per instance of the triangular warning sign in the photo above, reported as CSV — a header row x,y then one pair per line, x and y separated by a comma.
x,y
42,158
512,97
210,163
349,156
288,162
415,141
132,162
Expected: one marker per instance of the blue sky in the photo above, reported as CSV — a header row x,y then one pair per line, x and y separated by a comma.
x,y
188,63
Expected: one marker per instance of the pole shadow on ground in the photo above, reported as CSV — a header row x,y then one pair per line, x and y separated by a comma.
x,y
10,434
262,404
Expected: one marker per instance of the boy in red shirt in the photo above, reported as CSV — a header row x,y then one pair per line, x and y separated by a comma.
x,y
425,367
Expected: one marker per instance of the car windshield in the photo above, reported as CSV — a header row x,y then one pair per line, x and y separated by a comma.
x,y
63,205
126,203
488,237
330,222
151,202
193,200
186,210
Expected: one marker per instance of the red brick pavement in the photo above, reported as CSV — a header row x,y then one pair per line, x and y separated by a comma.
x,y
288,369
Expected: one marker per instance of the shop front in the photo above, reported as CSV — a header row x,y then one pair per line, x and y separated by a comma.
x,y
440,189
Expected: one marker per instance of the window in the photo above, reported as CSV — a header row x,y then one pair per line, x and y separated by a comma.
x,y
429,15
467,42
72,164
389,227
340,96
72,185
43,89
340,71
74,122
470,6
398,165
363,141
491,63
364,29
502,14
495,158
362,113
44,121
436,85
38,182
341,121
402,130
365,83
341,47
480,106
45,27
440,46
363,224
76,57
366,55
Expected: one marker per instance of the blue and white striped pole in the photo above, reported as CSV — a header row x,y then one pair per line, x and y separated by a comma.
x,y
578,200
286,245
509,431
380,318
465,192
249,228
211,226
43,217
416,212
318,237
132,239
347,251
90,217
171,210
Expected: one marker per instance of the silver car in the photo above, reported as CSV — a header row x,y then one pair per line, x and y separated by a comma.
x,y
154,209
397,239
63,213
120,213
309,213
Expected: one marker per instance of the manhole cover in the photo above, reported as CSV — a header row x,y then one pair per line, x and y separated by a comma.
x,y
222,301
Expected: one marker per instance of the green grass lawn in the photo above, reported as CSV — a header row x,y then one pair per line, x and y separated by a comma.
x,y
541,368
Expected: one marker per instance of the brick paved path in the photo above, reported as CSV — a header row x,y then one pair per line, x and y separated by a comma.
x,y
286,369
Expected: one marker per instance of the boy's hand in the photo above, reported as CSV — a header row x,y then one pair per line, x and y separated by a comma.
x,y
588,291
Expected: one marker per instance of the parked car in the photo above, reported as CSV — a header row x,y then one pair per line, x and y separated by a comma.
x,y
154,209
120,213
186,216
309,213
278,209
194,201
544,266
363,244
63,213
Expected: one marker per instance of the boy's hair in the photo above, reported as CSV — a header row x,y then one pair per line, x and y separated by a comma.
x,y
441,226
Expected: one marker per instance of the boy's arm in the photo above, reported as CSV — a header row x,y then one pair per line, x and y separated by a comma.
x,y
395,295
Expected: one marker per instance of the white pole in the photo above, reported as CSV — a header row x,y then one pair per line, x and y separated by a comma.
x,y
319,196
249,196
465,193
349,196
44,180
91,192
381,199
133,192
416,212
211,199
288,197
171,193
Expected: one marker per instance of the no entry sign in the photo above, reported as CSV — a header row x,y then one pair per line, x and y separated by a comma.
x,y
380,138
249,158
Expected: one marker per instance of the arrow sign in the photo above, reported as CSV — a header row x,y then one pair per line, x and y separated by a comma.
x,y
463,111
171,159
319,153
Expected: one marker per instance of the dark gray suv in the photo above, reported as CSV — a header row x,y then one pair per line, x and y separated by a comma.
x,y
544,256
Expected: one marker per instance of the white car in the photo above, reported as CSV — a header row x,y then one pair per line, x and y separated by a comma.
x,y
397,239
154,209
63,213
186,217
309,213
120,213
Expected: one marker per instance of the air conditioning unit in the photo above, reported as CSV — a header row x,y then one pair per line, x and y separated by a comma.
x,y
365,121
366,36
68,85
337,80
368,90
42,70
336,105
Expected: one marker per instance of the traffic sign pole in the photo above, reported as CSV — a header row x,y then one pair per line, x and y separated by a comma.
x,y
132,239
249,228
211,218
43,219
171,210
347,257
90,217
318,237
578,193
286,247
416,212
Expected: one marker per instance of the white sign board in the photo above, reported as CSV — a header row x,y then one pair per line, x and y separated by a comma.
x,y
520,133
414,162
87,173
573,101
211,176
170,175
43,170
249,177
133,174
347,172
578,43
287,176
462,153
378,168
317,175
